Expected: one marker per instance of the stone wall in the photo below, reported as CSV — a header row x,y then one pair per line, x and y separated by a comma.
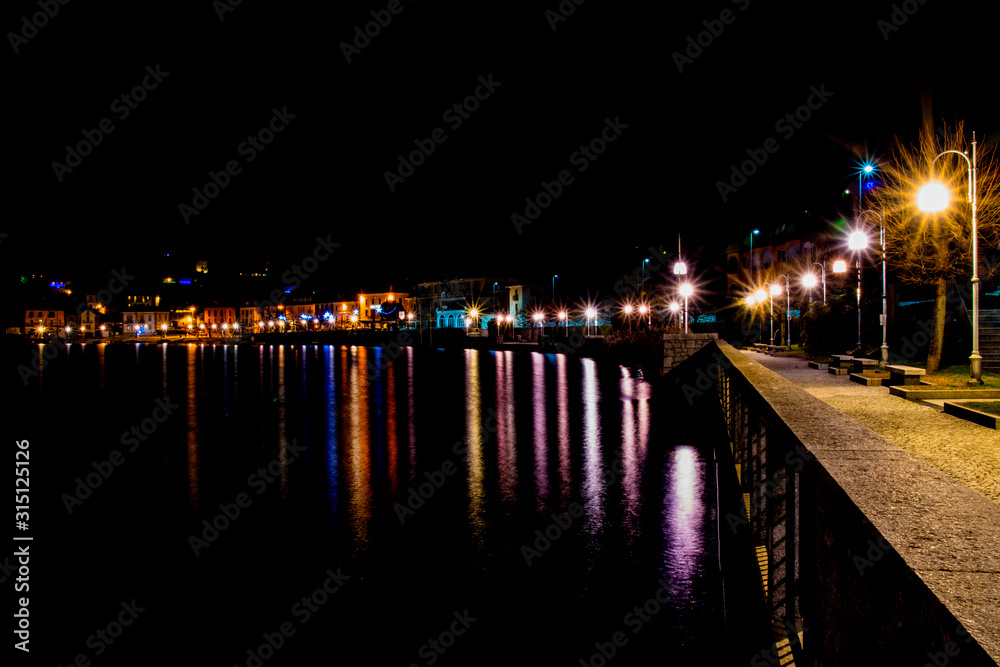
x,y
875,557
678,347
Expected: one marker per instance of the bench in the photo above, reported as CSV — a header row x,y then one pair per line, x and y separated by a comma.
x,y
768,349
860,365
904,375
818,365
841,364
842,360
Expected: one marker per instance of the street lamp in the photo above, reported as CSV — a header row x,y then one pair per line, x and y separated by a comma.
x,y
554,276
858,240
760,295
680,268
885,315
752,234
934,197
686,291
809,280
562,317
628,314
591,315
537,317
674,307
643,310
788,311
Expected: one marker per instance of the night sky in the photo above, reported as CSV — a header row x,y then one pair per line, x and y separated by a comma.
x,y
553,91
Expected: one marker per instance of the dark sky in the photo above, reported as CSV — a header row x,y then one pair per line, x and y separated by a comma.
x,y
324,174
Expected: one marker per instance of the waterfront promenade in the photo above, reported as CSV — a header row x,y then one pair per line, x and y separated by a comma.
x,y
968,453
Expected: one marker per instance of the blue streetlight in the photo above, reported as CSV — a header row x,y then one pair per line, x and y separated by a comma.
x,y
752,234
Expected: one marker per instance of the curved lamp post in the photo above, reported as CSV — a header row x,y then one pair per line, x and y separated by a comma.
x,y
809,280
934,197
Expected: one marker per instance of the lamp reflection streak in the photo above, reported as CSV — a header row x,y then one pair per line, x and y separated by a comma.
x,y
593,472
506,434
331,448
684,516
474,444
282,424
358,458
411,422
192,427
629,463
540,432
392,440
562,411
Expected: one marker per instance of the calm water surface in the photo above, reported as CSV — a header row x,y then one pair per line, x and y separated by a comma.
x,y
428,478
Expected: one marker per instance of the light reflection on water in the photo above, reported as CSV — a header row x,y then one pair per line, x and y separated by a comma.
x,y
588,434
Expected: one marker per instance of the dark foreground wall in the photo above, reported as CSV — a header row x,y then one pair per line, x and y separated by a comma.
x,y
874,557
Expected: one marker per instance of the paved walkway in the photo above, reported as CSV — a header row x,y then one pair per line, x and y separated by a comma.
x,y
968,453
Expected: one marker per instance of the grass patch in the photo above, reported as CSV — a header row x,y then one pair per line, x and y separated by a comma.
x,y
992,407
955,377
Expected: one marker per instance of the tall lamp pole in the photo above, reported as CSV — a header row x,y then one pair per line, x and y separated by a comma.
x,y
810,280
935,197
752,234
686,291
858,241
788,312
885,315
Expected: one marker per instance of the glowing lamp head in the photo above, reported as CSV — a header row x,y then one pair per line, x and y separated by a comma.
x,y
869,169
760,295
643,309
628,309
473,313
537,317
68,329
510,318
674,307
687,290
750,300
933,197
680,269
562,314
840,266
809,280
591,313
857,241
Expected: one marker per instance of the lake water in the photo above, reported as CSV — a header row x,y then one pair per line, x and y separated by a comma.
x,y
462,507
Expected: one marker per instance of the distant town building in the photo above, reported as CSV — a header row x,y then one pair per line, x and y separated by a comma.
x,y
40,316
141,322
